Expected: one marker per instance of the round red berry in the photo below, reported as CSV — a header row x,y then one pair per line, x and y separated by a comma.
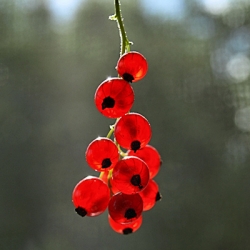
x,y
90,196
150,195
151,156
114,97
132,66
132,131
125,228
125,208
102,154
130,175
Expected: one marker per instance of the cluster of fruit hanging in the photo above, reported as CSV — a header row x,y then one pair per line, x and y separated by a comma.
x,y
125,185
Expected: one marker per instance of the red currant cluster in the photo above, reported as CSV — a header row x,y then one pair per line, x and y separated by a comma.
x,y
125,185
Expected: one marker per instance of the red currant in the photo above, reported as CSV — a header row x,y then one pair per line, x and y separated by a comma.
x,y
102,154
132,131
90,196
125,228
132,66
124,208
151,156
130,175
114,97
150,195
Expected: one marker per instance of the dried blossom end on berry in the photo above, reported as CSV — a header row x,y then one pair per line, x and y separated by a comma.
x,y
127,231
130,214
108,102
106,163
128,77
136,181
81,211
158,197
135,145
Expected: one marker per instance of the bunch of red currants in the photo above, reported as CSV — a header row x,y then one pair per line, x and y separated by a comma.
x,y
125,185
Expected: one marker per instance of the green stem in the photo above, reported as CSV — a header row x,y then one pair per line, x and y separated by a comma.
x,y
125,43
125,47
122,154
112,127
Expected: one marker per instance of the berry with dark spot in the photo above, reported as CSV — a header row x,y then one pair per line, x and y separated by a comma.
x,y
102,154
135,145
130,175
132,131
132,66
114,97
86,199
127,228
150,195
124,208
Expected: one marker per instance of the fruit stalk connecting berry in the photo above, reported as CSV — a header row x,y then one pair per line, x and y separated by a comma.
x,y
124,158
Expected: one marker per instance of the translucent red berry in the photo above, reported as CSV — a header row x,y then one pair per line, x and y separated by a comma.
x,y
125,228
90,196
102,154
132,131
151,156
130,175
114,97
125,208
132,66
150,195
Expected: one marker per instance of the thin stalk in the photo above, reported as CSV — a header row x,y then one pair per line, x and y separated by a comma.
x,y
125,43
125,47
112,127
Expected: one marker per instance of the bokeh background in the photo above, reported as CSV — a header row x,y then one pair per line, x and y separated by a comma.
x,y
196,95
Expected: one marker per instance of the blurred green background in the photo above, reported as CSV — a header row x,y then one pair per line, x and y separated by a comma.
x,y
196,96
